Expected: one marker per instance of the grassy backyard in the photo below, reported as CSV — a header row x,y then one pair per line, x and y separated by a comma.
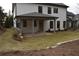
x,y
7,43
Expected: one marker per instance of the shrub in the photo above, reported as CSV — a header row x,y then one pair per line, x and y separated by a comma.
x,y
17,37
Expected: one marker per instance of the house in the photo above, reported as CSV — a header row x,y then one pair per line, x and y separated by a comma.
x,y
70,20
39,17
76,19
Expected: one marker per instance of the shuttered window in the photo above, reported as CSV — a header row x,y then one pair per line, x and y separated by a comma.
x,y
49,10
39,9
55,10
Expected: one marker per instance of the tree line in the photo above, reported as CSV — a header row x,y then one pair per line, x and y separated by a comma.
x,y
6,21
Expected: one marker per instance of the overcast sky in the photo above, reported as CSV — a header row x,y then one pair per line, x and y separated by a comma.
x,y
73,4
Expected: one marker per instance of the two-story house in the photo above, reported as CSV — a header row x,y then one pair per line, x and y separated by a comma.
x,y
70,20
39,17
76,21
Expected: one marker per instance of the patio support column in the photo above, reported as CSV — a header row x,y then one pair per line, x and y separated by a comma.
x,y
21,26
33,26
54,25
14,21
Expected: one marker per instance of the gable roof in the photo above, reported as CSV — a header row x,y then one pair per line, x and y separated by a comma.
x,y
70,13
76,17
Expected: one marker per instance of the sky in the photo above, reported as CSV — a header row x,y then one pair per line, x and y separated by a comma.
x,y
73,4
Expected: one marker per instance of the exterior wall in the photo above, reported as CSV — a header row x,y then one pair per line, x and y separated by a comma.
x,y
23,8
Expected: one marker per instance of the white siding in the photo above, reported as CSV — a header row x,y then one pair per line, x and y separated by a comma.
x,y
26,8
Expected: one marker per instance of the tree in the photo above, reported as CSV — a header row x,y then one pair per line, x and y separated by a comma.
x,y
2,15
9,21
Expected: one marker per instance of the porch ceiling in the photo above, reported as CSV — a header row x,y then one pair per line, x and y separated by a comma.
x,y
35,15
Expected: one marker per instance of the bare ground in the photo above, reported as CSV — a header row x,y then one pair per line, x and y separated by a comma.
x,y
65,49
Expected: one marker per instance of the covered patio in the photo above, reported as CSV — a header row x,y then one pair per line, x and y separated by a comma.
x,y
33,22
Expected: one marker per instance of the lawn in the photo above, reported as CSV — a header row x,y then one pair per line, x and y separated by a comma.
x,y
7,43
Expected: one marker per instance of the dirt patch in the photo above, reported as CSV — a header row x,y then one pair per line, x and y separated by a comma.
x,y
65,49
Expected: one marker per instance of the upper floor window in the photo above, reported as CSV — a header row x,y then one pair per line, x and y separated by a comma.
x,y
49,10
55,10
39,9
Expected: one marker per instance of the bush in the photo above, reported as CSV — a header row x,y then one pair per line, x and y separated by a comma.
x,y
17,37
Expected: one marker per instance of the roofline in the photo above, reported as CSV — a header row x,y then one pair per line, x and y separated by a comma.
x,y
53,4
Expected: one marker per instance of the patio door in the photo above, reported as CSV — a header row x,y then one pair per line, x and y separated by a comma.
x,y
51,24
41,25
58,25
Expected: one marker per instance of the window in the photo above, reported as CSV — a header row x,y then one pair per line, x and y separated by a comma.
x,y
24,22
55,10
58,24
51,24
64,24
49,10
35,23
39,9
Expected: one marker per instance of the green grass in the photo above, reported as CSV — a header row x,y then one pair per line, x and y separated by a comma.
x,y
7,43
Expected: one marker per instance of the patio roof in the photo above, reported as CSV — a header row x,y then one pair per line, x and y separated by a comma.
x,y
36,15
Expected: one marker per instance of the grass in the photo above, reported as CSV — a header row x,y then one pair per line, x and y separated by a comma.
x,y
7,43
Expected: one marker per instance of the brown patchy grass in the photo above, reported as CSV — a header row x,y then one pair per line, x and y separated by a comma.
x,y
7,43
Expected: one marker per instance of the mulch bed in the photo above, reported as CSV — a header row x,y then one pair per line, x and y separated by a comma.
x,y
65,49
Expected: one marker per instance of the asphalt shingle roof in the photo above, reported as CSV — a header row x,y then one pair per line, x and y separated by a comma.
x,y
36,14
